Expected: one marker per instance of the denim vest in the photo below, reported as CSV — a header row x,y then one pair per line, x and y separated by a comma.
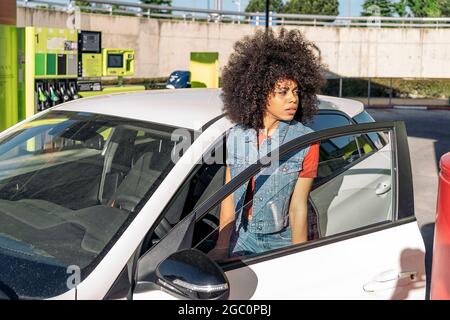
x,y
273,184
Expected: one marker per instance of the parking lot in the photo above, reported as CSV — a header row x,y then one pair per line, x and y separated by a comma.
x,y
428,139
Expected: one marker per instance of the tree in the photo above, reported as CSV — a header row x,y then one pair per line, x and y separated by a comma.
x,y
381,8
260,6
160,3
82,4
424,8
401,8
319,7
445,8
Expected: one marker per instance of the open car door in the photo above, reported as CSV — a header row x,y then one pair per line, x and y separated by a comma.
x,y
367,246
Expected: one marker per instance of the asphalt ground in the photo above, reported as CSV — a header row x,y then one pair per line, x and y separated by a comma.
x,y
428,139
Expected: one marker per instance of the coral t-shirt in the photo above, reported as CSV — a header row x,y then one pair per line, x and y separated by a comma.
x,y
310,164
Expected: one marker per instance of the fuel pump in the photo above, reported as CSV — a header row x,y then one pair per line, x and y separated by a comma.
x,y
8,64
95,62
48,61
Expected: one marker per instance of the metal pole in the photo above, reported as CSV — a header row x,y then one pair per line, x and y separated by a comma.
x,y
340,87
267,14
238,3
368,93
390,94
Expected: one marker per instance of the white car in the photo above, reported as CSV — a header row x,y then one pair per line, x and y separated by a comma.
x,y
117,197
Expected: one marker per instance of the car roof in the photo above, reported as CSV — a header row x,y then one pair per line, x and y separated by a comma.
x,y
187,108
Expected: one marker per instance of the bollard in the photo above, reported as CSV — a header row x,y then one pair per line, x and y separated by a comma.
x,y
440,274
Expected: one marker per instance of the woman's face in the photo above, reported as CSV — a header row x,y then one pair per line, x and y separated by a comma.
x,y
282,103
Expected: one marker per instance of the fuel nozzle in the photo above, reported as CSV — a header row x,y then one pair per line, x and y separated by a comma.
x,y
63,92
73,90
54,97
42,99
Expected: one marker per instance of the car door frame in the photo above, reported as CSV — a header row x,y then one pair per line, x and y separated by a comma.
x,y
403,199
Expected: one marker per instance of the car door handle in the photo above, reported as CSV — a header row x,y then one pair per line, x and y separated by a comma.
x,y
389,279
383,188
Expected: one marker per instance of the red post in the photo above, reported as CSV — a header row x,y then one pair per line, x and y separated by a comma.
x,y
440,274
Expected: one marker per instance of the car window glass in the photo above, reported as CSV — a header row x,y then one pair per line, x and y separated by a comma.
x,y
378,140
337,154
348,148
326,121
206,180
358,195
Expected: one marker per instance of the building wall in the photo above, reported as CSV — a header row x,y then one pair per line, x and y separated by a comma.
x,y
163,46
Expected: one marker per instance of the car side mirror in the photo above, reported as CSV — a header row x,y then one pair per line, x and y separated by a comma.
x,y
193,275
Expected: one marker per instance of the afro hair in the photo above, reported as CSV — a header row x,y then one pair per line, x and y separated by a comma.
x,y
258,63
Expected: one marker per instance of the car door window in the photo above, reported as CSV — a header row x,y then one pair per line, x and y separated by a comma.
x,y
376,139
338,153
340,205
324,121
202,183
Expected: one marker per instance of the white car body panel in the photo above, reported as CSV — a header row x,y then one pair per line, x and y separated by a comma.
x,y
187,108
154,294
350,265
347,106
69,295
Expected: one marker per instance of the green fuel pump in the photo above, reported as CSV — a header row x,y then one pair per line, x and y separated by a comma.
x,y
8,63
49,64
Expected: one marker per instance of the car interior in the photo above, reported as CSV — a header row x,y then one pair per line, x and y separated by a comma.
x,y
88,199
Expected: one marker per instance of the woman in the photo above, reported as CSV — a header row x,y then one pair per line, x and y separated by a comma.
x,y
269,88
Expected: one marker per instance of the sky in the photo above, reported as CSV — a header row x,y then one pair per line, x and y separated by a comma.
x,y
346,7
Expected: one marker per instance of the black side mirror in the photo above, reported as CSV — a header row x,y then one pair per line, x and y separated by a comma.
x,y
192,274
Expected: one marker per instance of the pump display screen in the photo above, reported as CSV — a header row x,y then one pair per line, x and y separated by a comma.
x,y
90,42
115,60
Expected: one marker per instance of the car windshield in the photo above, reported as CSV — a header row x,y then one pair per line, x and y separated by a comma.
x,y
69,184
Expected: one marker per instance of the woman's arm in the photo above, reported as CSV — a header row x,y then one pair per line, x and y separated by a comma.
x,y
298,210
227,216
